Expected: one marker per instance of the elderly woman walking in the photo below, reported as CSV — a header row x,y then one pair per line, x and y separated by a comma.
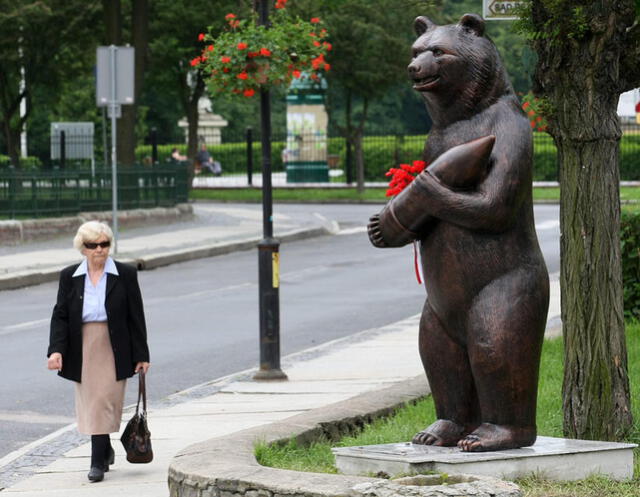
x,y
98,338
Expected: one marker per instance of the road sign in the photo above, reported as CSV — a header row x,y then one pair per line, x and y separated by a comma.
x,y
497,10
114,111
124,72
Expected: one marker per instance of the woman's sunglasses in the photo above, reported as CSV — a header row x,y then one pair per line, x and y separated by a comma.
x,y
93,245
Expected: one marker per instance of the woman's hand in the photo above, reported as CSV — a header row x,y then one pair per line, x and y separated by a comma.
x,y
142,365
55,361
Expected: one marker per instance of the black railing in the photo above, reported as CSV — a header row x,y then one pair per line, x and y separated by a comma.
x,y
65,192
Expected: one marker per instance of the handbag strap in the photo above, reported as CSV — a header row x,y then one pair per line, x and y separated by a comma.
x,y
142,393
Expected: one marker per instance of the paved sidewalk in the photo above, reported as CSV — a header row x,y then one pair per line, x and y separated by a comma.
x,y
336,371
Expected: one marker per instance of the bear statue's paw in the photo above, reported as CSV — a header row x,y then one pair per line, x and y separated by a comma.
x,y
375,233
489,437
442,433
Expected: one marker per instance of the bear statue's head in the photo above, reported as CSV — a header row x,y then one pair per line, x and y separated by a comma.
x,y
456,68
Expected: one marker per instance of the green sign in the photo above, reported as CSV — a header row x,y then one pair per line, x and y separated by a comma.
x,y
497,10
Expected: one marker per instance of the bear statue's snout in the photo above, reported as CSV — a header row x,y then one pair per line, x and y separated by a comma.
x,y
424,73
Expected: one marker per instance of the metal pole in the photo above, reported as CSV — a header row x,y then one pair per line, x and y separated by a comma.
x,y
268,248
114,163
63,148
154,146
249,156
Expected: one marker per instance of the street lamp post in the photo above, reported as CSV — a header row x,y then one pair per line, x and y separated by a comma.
x,y
269,247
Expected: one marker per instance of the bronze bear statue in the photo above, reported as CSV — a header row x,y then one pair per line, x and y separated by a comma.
x,y
471,210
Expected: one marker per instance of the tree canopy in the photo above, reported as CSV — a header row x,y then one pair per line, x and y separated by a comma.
x,y
371,42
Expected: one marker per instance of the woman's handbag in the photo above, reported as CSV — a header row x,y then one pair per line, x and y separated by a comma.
x,y
136,437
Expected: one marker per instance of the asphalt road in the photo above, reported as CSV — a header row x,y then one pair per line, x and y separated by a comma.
x,y
203,315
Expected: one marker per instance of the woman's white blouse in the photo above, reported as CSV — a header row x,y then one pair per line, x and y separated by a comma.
x,y
93,308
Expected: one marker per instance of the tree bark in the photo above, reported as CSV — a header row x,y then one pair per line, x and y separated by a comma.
x,y
127,124
190,96
578,76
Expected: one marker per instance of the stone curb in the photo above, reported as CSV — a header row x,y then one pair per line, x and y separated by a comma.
x,y
226,466
14,232
37,276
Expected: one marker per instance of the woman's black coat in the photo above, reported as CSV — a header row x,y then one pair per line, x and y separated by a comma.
x,y
125,317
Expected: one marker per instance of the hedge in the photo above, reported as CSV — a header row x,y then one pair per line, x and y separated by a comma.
x,y
27,163
383,152
630,247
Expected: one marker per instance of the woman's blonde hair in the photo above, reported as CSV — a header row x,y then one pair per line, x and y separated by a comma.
x,y
90,232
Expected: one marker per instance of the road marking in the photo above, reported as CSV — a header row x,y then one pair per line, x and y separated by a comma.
x,y
203,293
353,231
23,326
31,417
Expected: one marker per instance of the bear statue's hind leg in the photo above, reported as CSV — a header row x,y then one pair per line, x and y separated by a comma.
x,y
506,329
449,374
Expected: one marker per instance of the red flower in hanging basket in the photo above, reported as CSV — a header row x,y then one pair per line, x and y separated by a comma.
x,y
201,37
252,55
249,93
195,61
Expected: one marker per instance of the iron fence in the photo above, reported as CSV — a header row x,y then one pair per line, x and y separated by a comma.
x,y
379,152
65,192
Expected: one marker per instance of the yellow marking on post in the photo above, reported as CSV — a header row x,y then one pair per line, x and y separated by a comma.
x,y
275,262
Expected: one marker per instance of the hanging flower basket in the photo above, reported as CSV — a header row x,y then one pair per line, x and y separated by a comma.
x,y
245,57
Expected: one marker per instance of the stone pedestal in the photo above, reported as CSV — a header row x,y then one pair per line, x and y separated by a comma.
x,y
553,458
209,124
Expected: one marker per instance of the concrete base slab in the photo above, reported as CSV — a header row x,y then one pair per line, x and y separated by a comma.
x,y
552,458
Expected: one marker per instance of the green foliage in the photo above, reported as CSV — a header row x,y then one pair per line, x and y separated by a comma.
x,y
630,248
26,163
51,40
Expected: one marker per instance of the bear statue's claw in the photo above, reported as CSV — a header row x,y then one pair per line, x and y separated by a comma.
x,y
373,230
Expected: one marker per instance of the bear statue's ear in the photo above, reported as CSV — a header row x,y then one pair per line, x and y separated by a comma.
x,y
422,24
473,22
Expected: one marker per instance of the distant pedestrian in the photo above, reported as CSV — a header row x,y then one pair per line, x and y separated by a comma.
x,y
98,338
177,156
203,159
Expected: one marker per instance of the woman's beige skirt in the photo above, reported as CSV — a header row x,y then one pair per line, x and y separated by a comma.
x,y
99,397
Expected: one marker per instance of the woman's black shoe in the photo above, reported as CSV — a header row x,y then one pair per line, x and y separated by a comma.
x,y
96,474
110,459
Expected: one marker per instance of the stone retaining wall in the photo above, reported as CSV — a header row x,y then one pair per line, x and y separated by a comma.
x,y
227,467
14,232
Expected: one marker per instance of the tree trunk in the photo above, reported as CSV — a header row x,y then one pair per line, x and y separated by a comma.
x,y
127,123
190,96
596,386
579,80
12,141
113,21
126,135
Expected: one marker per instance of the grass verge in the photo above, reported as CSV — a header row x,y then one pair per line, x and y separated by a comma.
x,y
328,195
401,427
